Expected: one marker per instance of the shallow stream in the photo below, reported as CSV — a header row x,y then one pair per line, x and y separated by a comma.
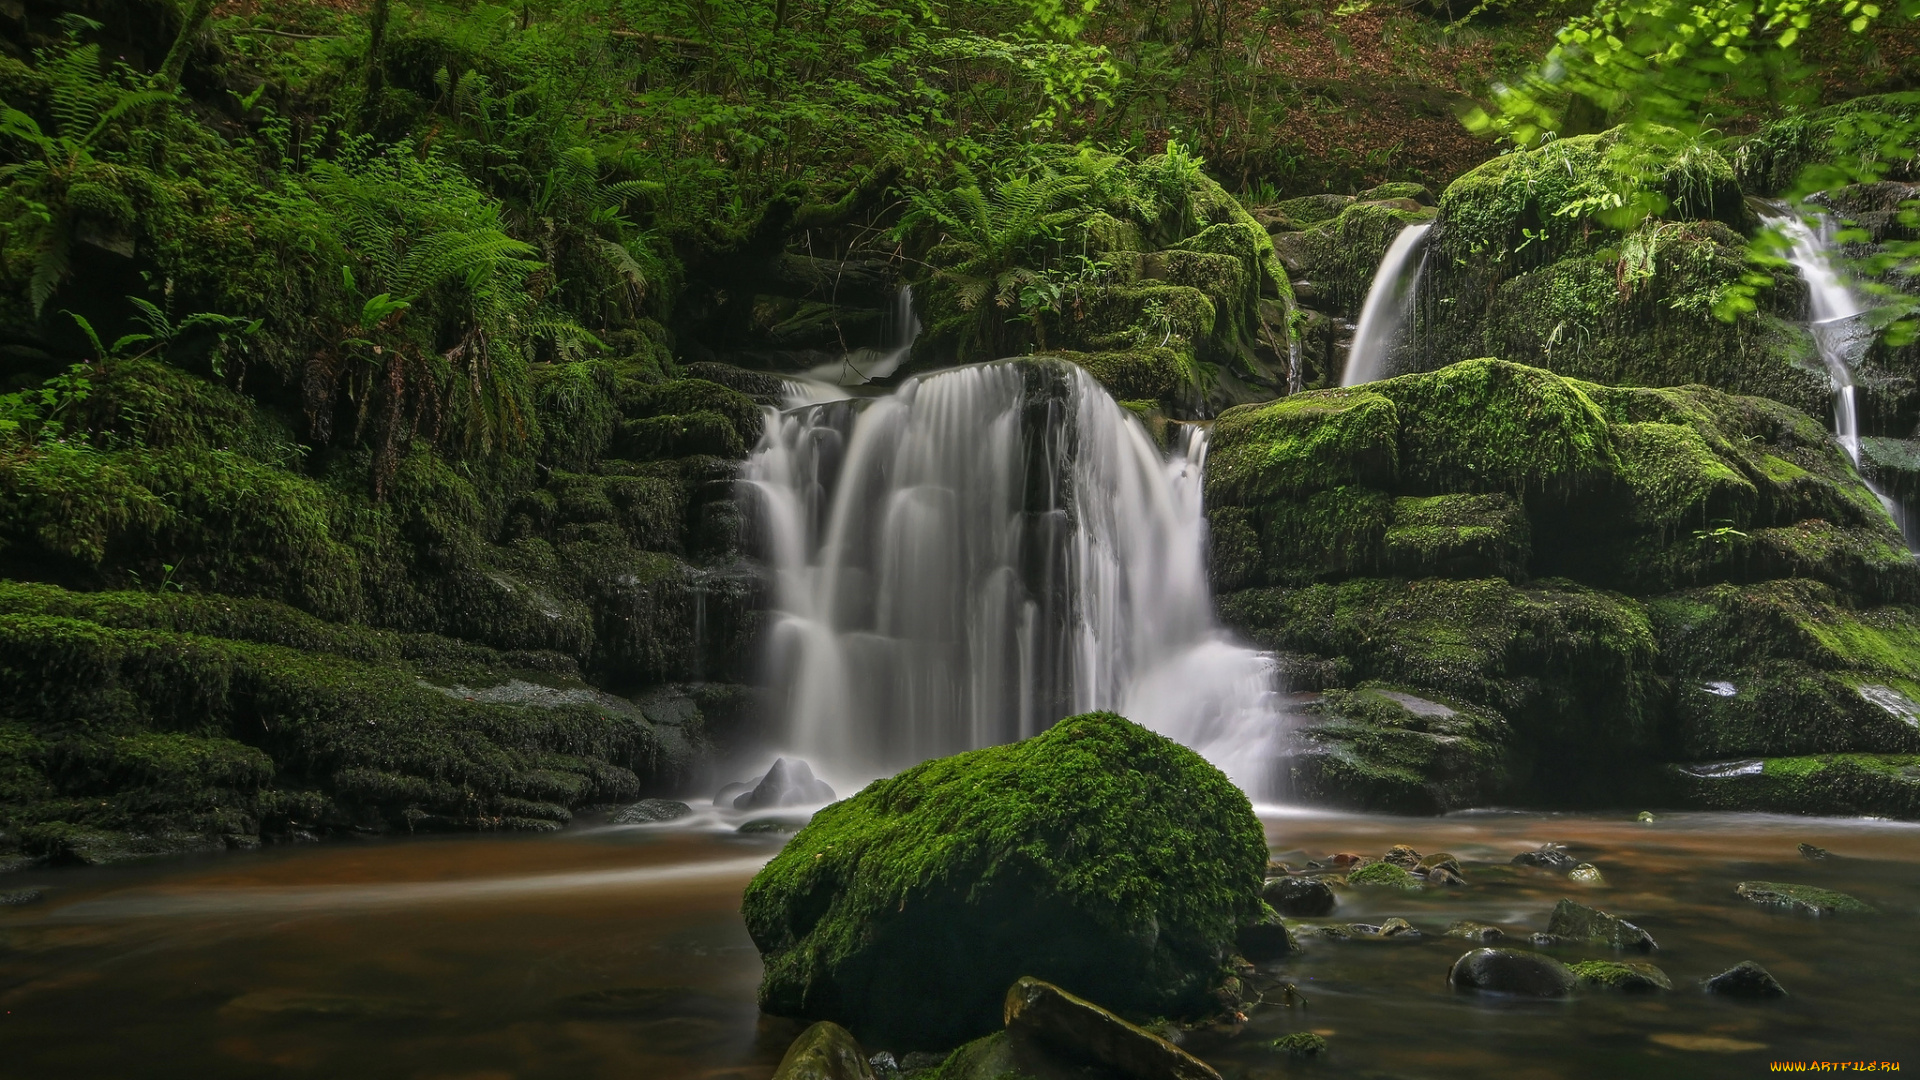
x,y
619,952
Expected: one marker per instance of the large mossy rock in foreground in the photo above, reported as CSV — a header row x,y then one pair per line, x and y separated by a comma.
x,y
1514,586
1098,856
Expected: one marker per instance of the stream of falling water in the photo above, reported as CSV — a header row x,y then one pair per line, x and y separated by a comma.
x,y
1388,308
983,552
1842,333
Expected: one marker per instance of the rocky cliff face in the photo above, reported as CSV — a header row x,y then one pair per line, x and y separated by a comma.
x,y
1510,585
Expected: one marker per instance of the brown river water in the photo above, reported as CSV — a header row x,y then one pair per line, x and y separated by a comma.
x,y
619,952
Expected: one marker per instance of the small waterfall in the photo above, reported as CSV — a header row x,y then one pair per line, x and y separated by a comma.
x,y
1388,308
1842,334
984,551
860,366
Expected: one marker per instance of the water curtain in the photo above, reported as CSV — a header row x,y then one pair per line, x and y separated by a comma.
x,y
983,552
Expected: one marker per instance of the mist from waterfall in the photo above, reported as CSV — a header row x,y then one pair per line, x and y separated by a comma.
x,y
1842,333
1388,309
983,552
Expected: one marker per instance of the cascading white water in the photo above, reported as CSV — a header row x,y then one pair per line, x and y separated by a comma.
x,y
1388,308
864,365
1841,332
985,551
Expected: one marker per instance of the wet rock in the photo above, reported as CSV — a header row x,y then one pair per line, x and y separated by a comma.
x,y
1814,854
648,811
788,783
825,1051
1475,931
1553,941
1632,978
1345,859
1746,980
1645,818
1384,875
730,792
1513,971
1548,857
1266,939
1586,874
1440,860
1298,896
905,911
21,897
1398,928
1402,856
1077,1029
920,1059
1300,1044
771,825
884,1066
1441,875
1802,899
1582,923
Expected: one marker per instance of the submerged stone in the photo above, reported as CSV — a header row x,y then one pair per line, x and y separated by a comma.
x,y
1512,971
1634,978
1746,980
1548,857
1097,855
1298,896
1586,874
21,897
647,811
1078,1030
1299,1044
1813,853
1384,875
1475,931
1801,899
825,1051
1578,922
1266,938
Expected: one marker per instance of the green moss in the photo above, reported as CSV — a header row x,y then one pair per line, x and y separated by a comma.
x,y
1770,161
1487,425
1044,857
1883,785
1325,535
1459,536
1371,749
1630,977
1303,443
1571,669
1341,255
1299,1044
1150,372
1385,875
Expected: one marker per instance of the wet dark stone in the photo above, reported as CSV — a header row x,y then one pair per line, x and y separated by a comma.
x,y
1582,923
1077,1029
788,783
21,897
1440,875
1815,854
825,1051
1475,931
1513,971
1267,939
1801,899
1746,980
1300,897
647,811
1403,857
1549,857
771,825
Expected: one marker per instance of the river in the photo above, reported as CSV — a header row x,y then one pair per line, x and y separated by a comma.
x,y
605,952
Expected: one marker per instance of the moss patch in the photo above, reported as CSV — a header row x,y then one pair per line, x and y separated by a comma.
x,y
1046,857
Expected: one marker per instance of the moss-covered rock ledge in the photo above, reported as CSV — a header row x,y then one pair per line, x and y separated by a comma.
x,y
1514,586
1097,855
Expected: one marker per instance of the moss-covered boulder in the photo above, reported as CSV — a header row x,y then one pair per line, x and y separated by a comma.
x,y
1576,580
1098,856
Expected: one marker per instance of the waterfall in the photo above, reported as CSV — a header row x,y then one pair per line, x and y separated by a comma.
x,y
1388,307
982,552
860,366
1841,333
